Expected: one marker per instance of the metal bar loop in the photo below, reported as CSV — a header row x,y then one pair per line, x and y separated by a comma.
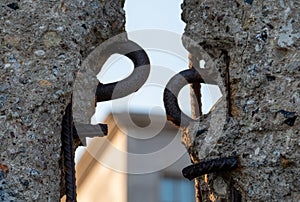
x,y
85,94
132,83
176,83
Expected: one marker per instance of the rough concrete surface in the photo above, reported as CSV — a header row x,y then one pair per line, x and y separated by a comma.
x,y
42,44
259,44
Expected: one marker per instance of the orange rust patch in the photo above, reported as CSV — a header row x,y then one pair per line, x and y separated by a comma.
x,y
285,162
45,83
4,168
234,110
212,197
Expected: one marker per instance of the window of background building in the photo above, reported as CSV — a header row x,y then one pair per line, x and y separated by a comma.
x,y
176,190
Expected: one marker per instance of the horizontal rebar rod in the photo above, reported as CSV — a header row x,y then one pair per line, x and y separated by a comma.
x,y
210,166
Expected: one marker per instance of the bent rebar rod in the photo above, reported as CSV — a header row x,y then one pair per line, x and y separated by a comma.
x,y
104,92
175,84
132,83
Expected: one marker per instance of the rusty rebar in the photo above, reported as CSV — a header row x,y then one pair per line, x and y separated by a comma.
x,y
134,81
210,166
104,92
196,89
175,84
69,154
69,138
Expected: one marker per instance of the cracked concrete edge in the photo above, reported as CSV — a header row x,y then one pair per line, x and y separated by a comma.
x,y
263,43
42,45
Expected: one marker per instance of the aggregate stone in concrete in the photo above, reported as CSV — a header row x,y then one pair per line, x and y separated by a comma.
x,y
42,44
258,43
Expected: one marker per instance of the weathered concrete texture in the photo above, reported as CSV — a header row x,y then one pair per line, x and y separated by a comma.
x,y
261,41
42,44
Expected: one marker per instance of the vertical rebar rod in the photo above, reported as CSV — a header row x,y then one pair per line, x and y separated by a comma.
x,y
196,103
69,154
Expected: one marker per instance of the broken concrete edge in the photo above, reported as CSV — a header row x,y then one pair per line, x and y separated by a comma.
x,y
262,40
42,45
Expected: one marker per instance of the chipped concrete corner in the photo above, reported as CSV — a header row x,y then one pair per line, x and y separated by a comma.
x,y
42,44
261,39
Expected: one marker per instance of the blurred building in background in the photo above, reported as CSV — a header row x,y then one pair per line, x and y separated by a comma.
x,y
140,160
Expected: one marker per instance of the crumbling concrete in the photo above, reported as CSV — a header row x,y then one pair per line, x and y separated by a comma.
x,y
257,43
42,44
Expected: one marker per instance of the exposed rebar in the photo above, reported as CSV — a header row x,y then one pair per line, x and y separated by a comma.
x,y
133,82
210,166
69,154
175,84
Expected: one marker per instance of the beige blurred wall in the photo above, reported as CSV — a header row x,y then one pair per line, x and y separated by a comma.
x,y
100,170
